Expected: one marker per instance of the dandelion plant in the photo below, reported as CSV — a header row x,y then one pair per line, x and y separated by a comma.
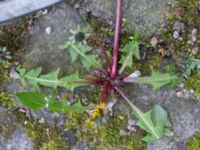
x,y
110,78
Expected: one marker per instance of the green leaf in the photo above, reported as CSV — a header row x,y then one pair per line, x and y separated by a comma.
x,y
81,50
31,75
170,68
50,79
37,101
155,122
32,100
131,49
160,115
35,79
190,67
128,61
62,106
65,45
72,81
157,80
74,55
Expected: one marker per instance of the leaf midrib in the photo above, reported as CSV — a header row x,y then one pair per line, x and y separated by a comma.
x,y
43,80
147,79
140,114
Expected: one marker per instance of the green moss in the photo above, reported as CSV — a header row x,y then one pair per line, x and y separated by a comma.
x,y
193,83
186,12
4,74
194,142
101,28
13,36
153,62
106,135
6,100
45,138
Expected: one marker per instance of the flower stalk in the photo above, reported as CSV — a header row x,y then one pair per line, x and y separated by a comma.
x,y
116,39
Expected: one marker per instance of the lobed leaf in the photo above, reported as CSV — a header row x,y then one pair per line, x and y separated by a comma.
x,y
157,80
72,81
35,79
79,50
155,122
190,67
131,49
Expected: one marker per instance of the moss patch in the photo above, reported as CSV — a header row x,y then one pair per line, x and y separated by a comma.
x,y
6,100
186,13
106,135
45,138
193,83
13,36
4,74
194,142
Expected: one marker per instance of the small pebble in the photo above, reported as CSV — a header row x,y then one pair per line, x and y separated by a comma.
x,y
154,41
194,34
121,117
198,66
190,42
192,91
184,90
41,120
179,94
48,30
25,122
195,50
44,12
14,74
175,34
131,128
132,122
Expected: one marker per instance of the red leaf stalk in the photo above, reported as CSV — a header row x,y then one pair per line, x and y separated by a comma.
x,y
104,53
105,94
124,96
116,39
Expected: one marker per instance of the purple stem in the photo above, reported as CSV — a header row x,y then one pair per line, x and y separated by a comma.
x,y
116,39
129,80
108,63
124,96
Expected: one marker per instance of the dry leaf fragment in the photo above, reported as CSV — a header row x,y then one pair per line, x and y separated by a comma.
x,y
162,51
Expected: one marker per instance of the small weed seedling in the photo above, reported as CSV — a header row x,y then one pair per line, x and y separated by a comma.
x,y
155,122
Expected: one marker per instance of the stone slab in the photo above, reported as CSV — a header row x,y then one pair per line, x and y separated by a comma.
x,y
11,9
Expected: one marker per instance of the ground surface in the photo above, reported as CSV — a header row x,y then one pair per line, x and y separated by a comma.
x,y
170,39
